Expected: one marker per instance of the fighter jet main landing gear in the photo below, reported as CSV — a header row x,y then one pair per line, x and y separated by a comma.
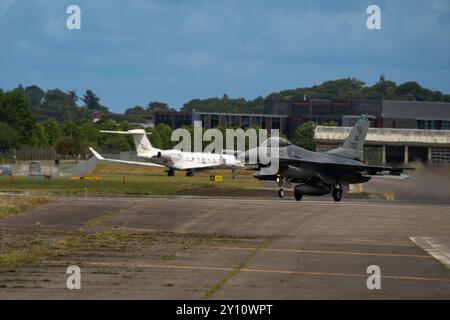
x,y
337,193
298,195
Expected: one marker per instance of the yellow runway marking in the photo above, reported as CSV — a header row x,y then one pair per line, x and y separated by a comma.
x,y
249,270
331,252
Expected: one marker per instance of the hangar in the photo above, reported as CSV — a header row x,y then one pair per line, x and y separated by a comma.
x,y
390,145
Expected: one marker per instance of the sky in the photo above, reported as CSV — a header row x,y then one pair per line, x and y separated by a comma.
x,y
137,51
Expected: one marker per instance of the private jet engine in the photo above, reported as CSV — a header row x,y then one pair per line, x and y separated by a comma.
x,y
170,156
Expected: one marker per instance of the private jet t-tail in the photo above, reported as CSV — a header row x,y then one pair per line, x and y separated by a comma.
x,y
318,174
172,159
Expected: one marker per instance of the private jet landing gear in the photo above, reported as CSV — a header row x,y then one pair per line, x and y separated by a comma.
x,y
281,193
337,193
235,175
170,173
189,173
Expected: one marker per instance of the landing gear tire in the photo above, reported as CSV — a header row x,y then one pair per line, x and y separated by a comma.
x,y
337,194
189,174
170,173
212,178
281,193
298,196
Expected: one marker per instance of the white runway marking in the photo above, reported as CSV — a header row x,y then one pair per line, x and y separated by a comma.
x,y
435,248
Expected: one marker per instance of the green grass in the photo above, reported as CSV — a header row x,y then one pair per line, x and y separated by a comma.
x,y
100,219
10,205
35,253
141,184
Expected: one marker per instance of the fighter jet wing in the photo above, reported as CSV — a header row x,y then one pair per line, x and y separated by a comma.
x,y
346,165
100,158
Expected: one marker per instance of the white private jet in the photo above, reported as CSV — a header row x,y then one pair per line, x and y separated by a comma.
x,y
172,159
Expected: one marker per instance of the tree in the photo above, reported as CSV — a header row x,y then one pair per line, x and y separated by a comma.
x,y
73,96
92,102
114,143
68,146
304,135
155,138
62,106
15,111
71,129
164,132
35,96
53,131
9,138
39,136
158,106
90,132
137,110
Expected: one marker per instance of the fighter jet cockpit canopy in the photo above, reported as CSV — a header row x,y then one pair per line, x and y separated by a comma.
x,y
276,142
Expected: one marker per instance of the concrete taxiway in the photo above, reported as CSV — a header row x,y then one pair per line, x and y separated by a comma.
x,y
232,248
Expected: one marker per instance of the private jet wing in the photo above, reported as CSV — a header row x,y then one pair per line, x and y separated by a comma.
x,y
100,158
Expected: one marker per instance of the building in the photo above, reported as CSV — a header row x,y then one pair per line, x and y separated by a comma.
x,y
211,120
416,115
173,119
240,120
386,113
388,145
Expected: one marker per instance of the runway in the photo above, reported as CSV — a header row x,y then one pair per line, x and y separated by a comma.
x,y
233,248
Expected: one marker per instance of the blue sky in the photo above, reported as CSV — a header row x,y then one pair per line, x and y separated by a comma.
x,y
137,51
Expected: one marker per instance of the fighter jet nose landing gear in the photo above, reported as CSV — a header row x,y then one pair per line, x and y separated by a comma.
x,y
281,183
337,193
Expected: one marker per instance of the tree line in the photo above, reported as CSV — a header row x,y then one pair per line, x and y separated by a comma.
x,y
20,126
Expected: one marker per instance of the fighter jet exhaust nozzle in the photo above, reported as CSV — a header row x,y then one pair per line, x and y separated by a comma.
x,y
311,189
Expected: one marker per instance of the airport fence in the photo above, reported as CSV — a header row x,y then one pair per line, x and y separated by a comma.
x,y
50,168
31,153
